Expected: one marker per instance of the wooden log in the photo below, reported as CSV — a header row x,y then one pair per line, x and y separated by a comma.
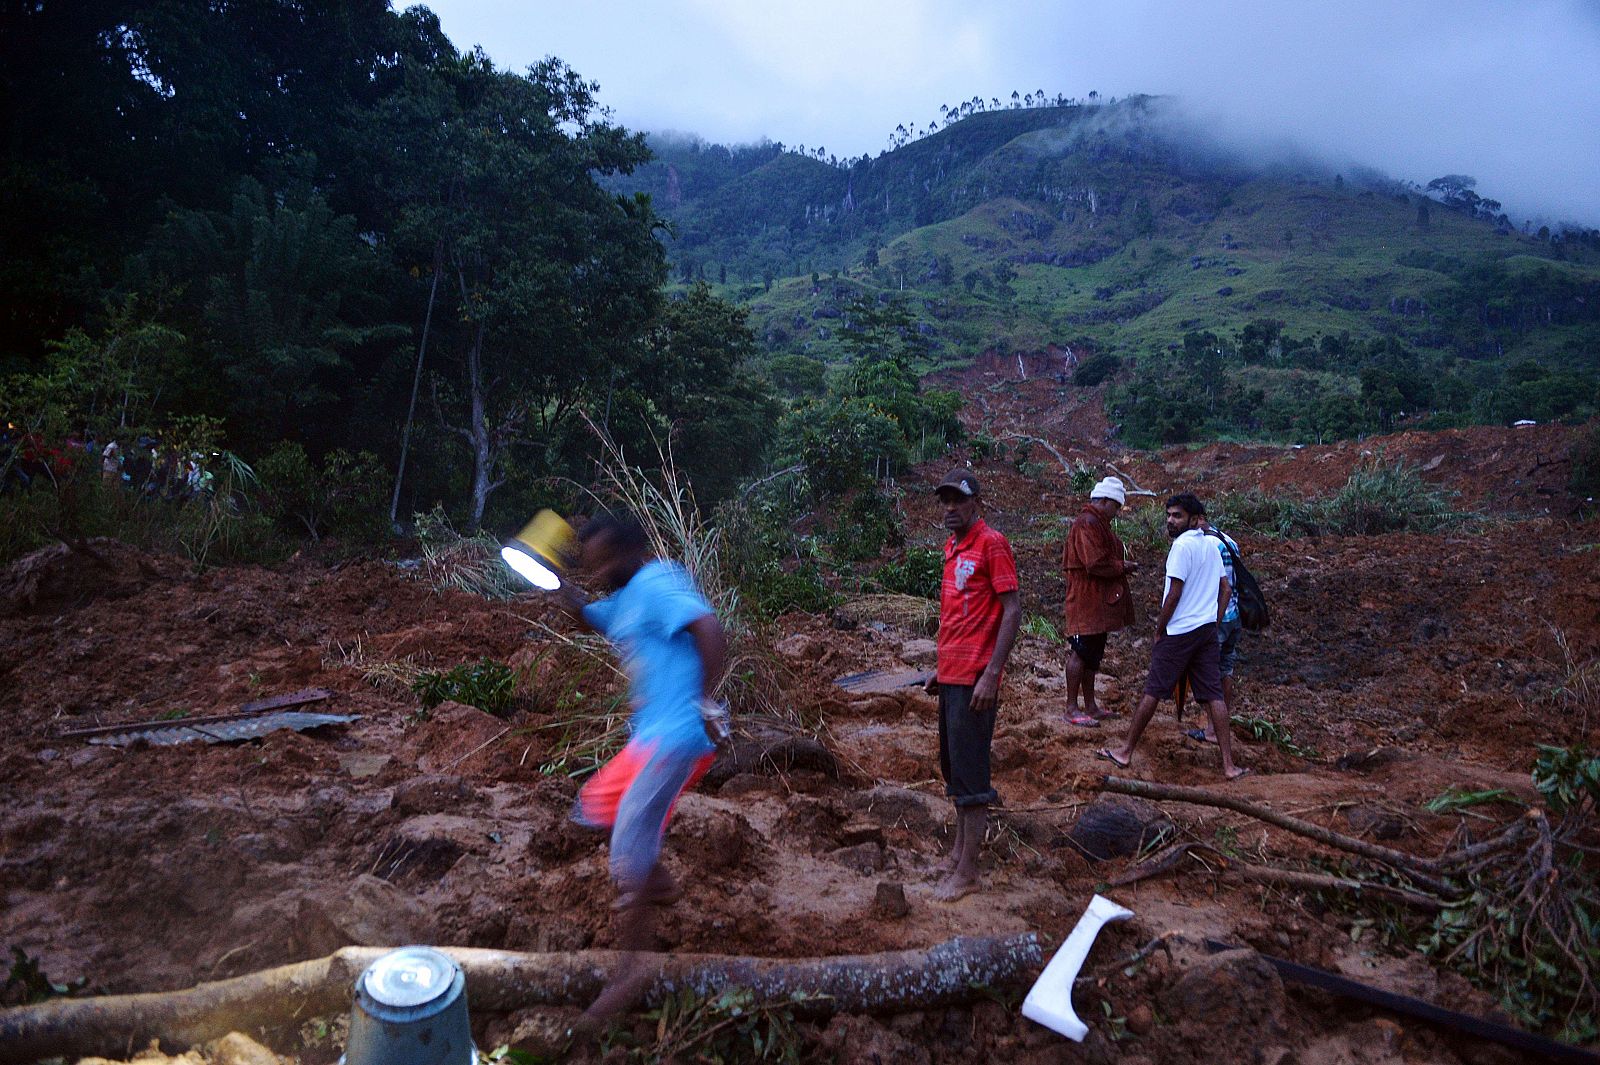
x,y
955,971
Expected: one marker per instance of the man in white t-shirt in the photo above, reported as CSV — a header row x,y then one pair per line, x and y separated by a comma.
x,y
1196,597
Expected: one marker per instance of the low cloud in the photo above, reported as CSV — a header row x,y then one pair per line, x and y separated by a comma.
x,y
1505,92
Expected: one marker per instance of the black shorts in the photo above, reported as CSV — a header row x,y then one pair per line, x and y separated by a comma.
x,y
1195,653
964,738
1090,649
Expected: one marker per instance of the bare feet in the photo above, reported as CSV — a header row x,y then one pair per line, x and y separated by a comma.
x,y
1105,752
1236,772
628,981
959,884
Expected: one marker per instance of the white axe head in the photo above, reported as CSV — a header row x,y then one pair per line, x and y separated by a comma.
x,y
1050,1001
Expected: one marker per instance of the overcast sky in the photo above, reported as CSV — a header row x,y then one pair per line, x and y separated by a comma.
x,y
1508,92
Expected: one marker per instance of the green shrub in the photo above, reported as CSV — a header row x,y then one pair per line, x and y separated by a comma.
x,y
1095,369
844,444
344,497
774,590
863,527
1388,497
486,684
917,571
1378,498
1083,477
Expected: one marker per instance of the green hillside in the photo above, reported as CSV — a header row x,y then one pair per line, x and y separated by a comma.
x,y
1100,229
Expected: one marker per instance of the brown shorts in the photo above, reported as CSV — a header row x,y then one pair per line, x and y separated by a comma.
x,y
1195,653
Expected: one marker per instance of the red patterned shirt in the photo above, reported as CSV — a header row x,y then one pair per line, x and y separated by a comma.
x,y
977,571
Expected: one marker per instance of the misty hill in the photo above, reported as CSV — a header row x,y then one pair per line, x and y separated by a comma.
x,y
1291,299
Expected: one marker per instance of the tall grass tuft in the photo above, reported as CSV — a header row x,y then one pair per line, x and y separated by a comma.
x,y
1379,497
1143,525
665,506
663,502
470,564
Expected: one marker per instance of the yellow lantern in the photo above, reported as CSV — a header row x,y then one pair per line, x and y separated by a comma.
x,y
542,550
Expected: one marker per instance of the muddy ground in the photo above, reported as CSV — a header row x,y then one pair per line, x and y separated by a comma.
x,y
144,867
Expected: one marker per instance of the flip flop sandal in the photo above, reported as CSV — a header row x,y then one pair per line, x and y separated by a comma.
x,y
1108,756
1199,736
1083,720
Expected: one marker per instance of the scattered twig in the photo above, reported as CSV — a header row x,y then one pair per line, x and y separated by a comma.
x,y
1421,870
476,749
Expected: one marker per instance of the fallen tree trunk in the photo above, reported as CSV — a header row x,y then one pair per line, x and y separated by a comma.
x,y
1419,869
498,980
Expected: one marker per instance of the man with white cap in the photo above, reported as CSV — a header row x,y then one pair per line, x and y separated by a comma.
x,y
1098,601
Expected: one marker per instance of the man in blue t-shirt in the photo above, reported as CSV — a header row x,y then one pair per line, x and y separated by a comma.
x,y
672,649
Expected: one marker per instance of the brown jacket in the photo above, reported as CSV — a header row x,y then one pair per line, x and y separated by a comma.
x,y
1097,584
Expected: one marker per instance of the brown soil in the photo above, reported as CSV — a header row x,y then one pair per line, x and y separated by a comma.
x,y
148,868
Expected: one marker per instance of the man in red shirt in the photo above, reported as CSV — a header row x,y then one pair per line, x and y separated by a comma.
x,y
979,612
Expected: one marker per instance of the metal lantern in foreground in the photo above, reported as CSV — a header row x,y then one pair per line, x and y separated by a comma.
x,y
410,1009
540,552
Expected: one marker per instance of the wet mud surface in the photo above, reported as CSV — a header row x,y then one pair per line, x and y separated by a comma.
x,y
1400,665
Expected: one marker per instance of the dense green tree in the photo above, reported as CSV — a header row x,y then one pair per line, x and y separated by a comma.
x,y
698,374
278,293
552,278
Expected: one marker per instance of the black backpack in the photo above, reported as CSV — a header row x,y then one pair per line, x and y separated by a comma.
x,y
1253,613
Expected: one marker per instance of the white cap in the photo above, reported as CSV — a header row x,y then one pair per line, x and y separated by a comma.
x,y
1110,488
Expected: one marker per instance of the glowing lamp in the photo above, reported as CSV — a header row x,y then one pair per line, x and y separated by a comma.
x,y
541,551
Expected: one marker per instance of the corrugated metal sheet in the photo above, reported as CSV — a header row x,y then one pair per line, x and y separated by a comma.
x,y
177,731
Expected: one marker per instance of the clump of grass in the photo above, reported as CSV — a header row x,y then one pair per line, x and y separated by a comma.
x,y
1379,497
393,676
1142,525
1576,695
1043,628
486,684
576,681
1265,730
1453,798
1389,497
908,612
664,504
463,563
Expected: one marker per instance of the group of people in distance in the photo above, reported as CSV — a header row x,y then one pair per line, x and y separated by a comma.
x,y
673,650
